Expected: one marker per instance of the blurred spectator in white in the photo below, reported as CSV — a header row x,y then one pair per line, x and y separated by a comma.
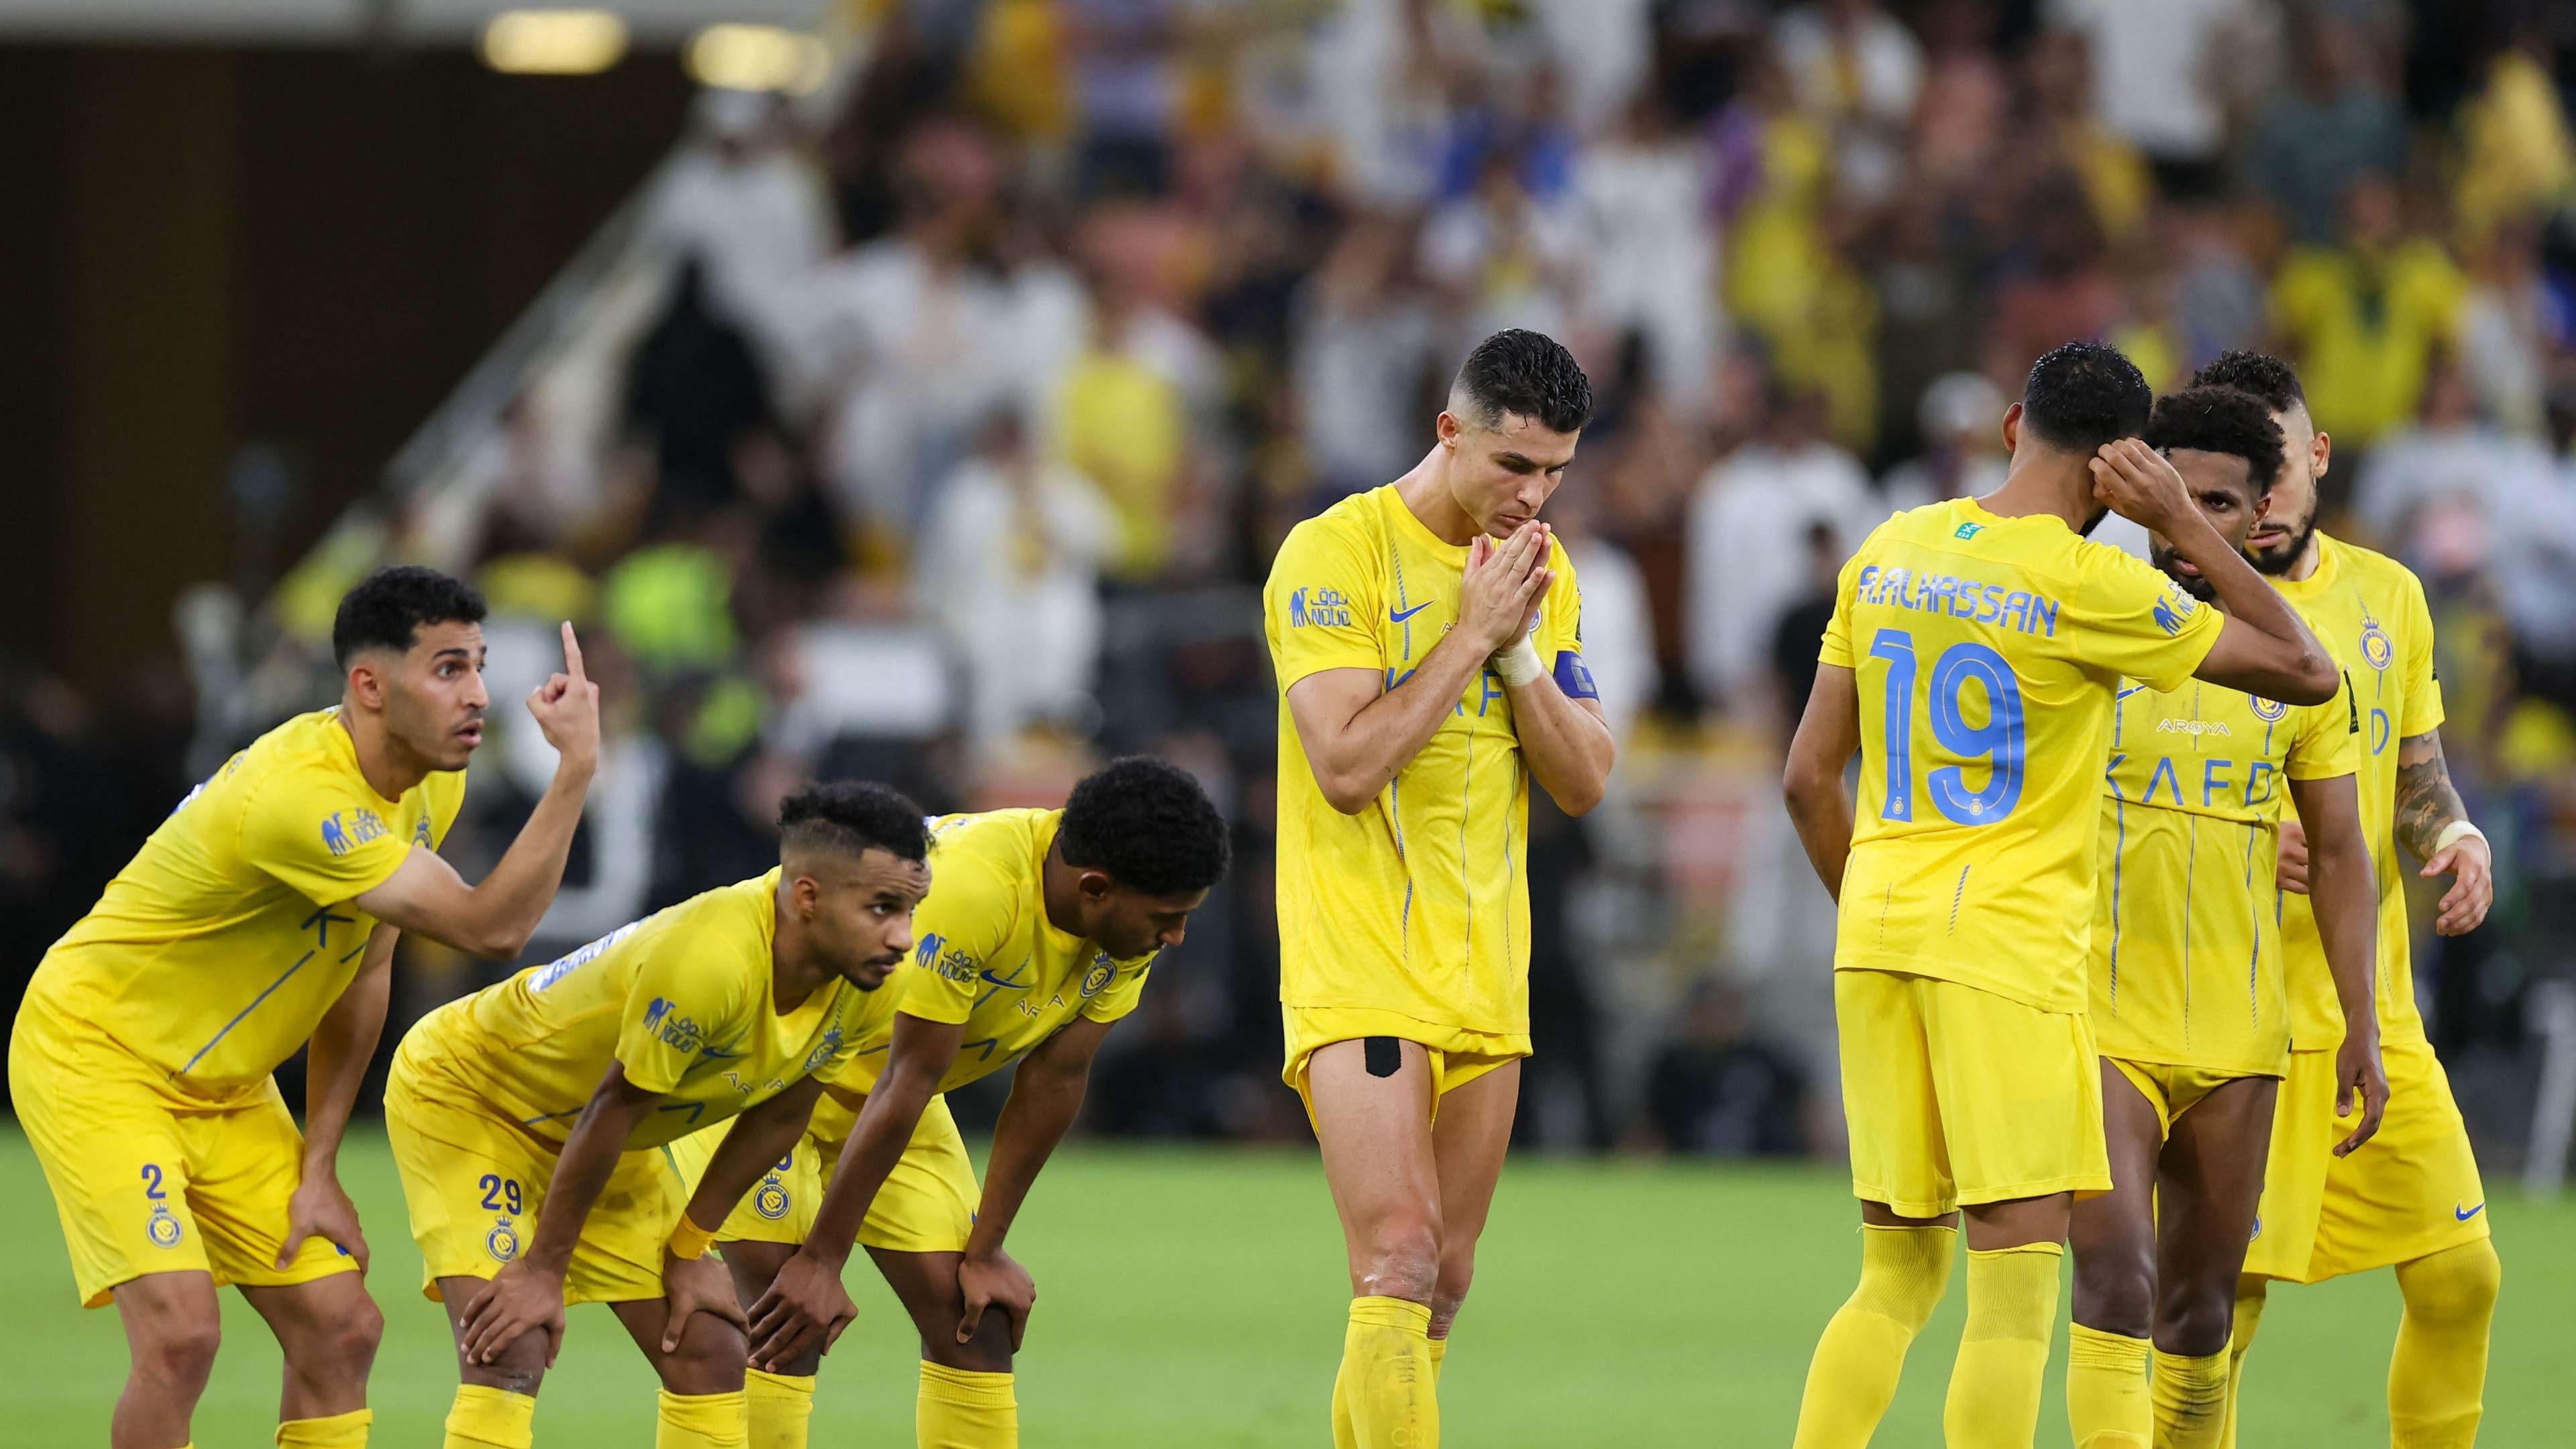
x,y
1748,524
1618,626
2158,64
2514,322
1603,49
1961,417
1500,257
2335,123
1859,67
1009,574
1386,71
741,200
1363,349
1651,249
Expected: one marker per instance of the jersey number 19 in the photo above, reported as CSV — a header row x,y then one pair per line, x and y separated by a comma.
x,y
1998,741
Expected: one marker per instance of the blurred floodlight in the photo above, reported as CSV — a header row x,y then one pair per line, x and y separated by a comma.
x,y
756,58
554,42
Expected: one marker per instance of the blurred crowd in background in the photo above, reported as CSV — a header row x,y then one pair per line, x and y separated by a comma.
x,y
950,432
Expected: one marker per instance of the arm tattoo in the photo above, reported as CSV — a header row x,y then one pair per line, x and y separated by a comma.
x,y
2425,800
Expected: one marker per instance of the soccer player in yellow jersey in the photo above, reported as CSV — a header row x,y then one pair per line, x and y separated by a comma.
x,y
259,917
1971,663
1037,936
2412,1198
531,1121
1427,641
2188,1006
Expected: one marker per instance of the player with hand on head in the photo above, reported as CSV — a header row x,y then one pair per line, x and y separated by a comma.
x,y
2412,1199
2189,1008
531,1121
1037,937
1427,637
260,917
1972,660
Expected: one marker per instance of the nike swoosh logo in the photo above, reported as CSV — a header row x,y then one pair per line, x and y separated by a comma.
x,y
1010,985
1396,616
2464,1214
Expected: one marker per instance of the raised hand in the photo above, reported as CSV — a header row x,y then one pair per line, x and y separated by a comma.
x,y
2140,484
566,708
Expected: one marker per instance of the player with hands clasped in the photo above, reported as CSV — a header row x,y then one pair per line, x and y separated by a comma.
x,y
260,917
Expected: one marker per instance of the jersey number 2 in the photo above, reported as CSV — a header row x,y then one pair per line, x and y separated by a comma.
x,y
1998,741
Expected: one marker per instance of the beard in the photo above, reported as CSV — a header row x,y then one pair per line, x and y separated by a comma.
x,y
2196,585
2278,559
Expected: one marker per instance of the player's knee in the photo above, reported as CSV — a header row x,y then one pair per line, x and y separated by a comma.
x,y
2195,1319
2457,1285
2115,1290
1457,1272
1401,1258
179,1351
986,1351
710,1359
345,1349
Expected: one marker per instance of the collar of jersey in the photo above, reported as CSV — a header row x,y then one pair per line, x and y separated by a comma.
x,y
343,750
1412,522
2315,583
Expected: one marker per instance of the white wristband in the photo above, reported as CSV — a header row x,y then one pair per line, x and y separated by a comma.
x,y
1520,664
2455,832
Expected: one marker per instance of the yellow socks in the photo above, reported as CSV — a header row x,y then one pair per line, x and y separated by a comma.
x,y
1439,1356
962,1409
701,1421
2191,1400
1388,1377
782,1407
1345,1436
2106,1390
2003,1351
1853,1375
2437,1377
2249,1316
489,1418
339,1431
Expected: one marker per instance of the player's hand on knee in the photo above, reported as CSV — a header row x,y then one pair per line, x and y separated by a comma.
x,y
2471,867
2359,1080
520,1298
320,1209
2292,873
805,1308
697,1285
997,1281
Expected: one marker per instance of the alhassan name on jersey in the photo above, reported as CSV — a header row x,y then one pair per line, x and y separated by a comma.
x,y
1902,588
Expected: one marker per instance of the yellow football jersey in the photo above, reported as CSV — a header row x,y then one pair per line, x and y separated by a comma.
x,y
2369,611
219,947
1987,651
2186,943
985,955
1419,904
681,999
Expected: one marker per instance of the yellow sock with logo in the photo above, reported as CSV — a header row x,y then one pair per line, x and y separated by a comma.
x,y
963,1409
2191,1400
1853,1374
1439,1356
2437,1377
2106,1389
2250,1294
2003,1352
1387,1373
488,1418
782,1408
338,1431
702,1421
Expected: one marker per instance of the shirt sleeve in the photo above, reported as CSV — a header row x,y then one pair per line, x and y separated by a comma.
x,y
967,916
2136,621
2329,742
1119,997
325,836
1835,649
1321,603
684,1001
1560,628
2424,712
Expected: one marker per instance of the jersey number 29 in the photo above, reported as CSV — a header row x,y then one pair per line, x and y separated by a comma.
x,y
1998,741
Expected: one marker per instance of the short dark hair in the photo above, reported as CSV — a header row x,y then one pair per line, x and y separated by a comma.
x,y
1148,824
2221,420
2261,374
1525,373
387,608
2084,394
854,817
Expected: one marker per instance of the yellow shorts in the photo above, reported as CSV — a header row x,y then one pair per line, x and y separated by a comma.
x,y
1957,1096
147,1180
927,1204
1458,1056
2410,1191
2174,1090
474,1183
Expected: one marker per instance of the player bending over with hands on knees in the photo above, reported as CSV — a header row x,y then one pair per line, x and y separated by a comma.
x,y
1972,661
259,917
1037,936
531,1121
2189,1003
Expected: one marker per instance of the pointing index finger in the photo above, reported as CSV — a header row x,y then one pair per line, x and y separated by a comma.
x,y
572,654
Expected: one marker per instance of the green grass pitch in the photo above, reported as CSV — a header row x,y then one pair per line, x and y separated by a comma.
x,y
1194,1297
